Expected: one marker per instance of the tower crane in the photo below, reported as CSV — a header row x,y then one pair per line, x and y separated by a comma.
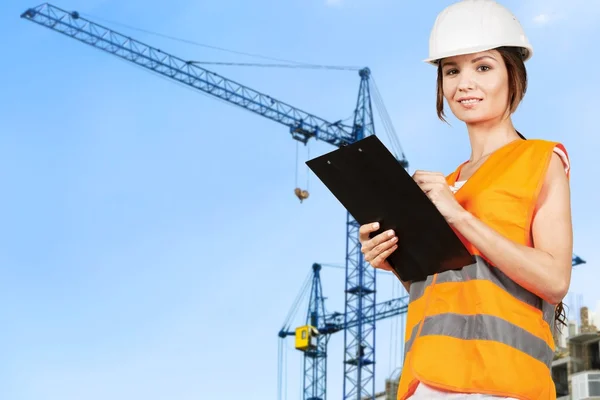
x,y
360,284
312,337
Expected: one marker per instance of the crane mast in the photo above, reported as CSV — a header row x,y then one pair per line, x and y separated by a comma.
x,y
359,339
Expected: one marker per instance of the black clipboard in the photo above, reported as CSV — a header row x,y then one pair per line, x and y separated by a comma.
x,y
374,187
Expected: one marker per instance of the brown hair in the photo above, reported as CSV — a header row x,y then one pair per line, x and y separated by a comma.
x,y
517,80
560,315
517,86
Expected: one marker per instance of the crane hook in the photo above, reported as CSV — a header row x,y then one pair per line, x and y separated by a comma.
x,y
301,194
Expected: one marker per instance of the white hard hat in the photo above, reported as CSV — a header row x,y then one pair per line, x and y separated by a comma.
x,y
471,26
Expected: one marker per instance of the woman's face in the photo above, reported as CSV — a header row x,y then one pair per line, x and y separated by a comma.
x,y
476,86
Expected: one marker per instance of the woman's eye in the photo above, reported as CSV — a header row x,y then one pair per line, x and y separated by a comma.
x,y
484,68
451,72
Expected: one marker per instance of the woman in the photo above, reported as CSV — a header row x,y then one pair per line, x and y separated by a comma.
x,y
486,331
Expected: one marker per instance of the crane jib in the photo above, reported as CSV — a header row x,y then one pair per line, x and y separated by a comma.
x,y
302,124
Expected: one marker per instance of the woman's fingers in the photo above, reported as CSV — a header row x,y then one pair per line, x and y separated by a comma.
x,y
376,250
365,230
383,243
381,260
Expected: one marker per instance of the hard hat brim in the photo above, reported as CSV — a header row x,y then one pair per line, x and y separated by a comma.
x,y
526,50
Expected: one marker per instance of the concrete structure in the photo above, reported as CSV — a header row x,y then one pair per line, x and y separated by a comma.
x,y
576,366
391,388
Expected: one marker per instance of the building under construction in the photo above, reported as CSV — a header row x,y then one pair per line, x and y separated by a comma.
x,y
576,365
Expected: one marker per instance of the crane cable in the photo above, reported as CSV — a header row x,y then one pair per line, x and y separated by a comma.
x,y
391,354
302,194
282,348
290,63
303,66
387,121
295,306
281,365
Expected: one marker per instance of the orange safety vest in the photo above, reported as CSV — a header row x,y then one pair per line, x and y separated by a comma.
x,y
474,330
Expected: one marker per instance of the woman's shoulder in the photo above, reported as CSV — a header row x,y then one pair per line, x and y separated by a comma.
x,y
544,147
541,143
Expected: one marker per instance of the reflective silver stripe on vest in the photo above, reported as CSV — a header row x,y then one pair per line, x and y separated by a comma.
x,y
484,327
481,270
410,341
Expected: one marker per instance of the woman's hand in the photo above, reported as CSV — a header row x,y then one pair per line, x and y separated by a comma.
x,y
376,250
436,188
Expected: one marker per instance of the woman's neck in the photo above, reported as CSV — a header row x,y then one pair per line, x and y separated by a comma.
x,y
486,138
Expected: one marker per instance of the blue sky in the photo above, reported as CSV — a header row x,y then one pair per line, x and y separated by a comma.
x,y
151,244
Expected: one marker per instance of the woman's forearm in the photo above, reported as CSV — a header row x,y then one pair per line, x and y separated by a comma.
x,y
534,269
